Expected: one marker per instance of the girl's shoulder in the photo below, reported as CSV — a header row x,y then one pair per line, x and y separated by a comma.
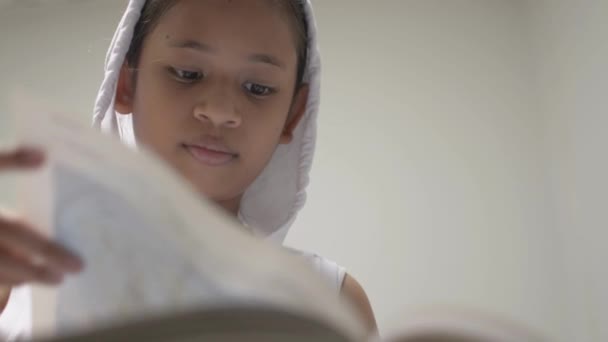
x,y
343,283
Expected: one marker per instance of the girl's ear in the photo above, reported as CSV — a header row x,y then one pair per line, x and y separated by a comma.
x,y
124,91
298,108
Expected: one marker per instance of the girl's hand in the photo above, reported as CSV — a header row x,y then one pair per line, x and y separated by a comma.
x,y
25,254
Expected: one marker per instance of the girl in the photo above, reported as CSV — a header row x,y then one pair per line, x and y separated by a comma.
x,y
227,93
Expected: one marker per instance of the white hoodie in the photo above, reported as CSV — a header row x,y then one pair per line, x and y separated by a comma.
x,y
268,207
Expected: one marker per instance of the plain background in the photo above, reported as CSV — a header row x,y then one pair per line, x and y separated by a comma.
x,y
461,154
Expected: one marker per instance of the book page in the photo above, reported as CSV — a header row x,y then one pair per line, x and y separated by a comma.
x,y
150,244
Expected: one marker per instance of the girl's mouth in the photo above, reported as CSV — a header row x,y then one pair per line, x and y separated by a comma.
x,y
211,154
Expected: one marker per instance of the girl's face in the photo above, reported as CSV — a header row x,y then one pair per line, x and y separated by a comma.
x,y
214,92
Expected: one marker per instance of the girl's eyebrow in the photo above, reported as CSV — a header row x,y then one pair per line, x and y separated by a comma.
x,y
202,47
191,44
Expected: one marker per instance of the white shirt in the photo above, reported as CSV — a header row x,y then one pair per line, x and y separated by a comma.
x,y
16,319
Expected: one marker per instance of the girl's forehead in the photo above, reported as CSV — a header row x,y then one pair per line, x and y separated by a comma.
x,y
240,24
235,13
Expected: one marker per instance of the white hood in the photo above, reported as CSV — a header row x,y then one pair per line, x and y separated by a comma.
x,y
272,202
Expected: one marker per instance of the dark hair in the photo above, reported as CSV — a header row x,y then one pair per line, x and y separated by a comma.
x,y
153,10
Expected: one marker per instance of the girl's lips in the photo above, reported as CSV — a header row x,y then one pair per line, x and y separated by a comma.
x,y
209,155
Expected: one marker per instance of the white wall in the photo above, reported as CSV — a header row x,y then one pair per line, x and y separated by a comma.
x,y
54,50
430,183
572,62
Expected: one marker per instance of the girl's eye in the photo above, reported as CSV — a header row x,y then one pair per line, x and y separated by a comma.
x,y
186,76
258,89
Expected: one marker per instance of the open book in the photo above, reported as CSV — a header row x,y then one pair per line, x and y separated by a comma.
x,y
163,264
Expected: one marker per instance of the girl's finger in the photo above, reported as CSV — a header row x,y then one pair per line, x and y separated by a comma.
x,y
21,158
38,249
14,271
